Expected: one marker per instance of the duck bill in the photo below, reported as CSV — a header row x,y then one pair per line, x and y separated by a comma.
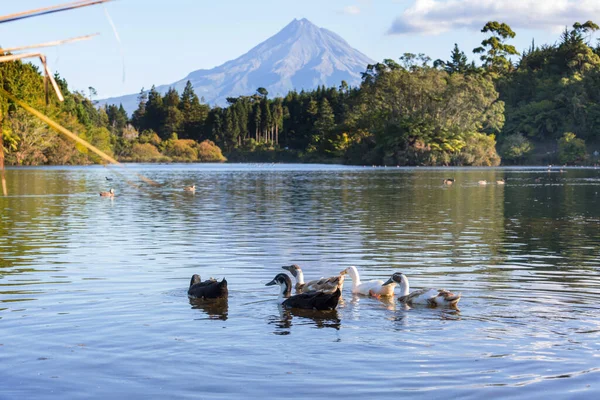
x,y
287,268
344,272
271,283
389,281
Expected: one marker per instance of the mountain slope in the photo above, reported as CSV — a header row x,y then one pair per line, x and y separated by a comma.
x,y
300,56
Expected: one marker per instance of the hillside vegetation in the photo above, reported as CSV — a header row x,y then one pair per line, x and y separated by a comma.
x,y
544,107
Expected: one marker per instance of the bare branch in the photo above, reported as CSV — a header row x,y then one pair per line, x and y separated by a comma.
x,y
50,10
47,44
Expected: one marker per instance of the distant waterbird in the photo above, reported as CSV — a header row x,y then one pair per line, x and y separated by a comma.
x,y
501,181
190,188
448,181
110,193
482,183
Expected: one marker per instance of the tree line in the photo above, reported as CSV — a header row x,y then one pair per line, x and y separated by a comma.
x,y
539,106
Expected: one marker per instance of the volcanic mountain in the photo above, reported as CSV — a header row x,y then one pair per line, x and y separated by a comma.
x,y
300,56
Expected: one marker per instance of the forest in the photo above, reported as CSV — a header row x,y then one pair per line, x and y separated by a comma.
x,y
535,107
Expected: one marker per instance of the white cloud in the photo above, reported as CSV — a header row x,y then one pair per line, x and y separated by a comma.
x,y
351,10
439,16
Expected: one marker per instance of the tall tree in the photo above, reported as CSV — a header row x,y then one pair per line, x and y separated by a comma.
x,y
117,119
194,114
494,50
325,120
155,113
173,118
139,115
458,63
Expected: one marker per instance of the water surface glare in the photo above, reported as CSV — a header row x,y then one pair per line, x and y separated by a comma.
x,y
93,290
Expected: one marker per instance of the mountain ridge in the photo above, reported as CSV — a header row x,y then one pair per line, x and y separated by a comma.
x,y
299,56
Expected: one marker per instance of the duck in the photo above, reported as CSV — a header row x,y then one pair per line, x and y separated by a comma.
x,y
373,288
313,300
429,296
321,285
210,289
448,181
110,193
108,179
482,182
501,181
190,188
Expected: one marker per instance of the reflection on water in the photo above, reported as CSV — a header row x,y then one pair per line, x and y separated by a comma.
x,y
318,319
214,308
93,291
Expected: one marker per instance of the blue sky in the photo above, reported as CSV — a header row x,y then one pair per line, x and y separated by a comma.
x,y
162,41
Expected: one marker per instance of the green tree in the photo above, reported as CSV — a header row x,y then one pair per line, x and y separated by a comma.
x,y
139,115
262,92
117,119
515,148
194,114
571,150
173,118
495,51
154,116
458,63
324,124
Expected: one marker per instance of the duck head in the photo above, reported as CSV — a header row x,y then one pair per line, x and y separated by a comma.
x,y
294,269
284,282
112,191
195,279
352,271
398,277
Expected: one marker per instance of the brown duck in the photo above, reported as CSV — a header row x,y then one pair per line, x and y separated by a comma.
x,y
110,193
328,285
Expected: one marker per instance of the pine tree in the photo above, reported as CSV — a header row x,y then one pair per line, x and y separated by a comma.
x,y
155,115
139,115
173,118
325,120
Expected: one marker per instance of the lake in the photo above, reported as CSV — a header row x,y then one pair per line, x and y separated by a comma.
x,y
93,299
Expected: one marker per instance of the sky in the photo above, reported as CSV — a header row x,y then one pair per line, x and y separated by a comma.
x,y
160,42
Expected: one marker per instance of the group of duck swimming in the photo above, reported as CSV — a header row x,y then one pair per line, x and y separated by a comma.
x,y
192,188
450,181
324,294
111,192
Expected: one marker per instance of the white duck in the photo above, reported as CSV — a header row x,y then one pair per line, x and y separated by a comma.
x,y
429,296
369,288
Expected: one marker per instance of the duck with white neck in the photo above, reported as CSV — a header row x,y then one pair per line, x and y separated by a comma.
x,y
328,285
313,300
429,296
373,288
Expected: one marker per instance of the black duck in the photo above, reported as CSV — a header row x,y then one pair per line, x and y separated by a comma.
x,y
310,300
210,289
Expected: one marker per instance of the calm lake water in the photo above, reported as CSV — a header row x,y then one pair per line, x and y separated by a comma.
x,y
93,297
